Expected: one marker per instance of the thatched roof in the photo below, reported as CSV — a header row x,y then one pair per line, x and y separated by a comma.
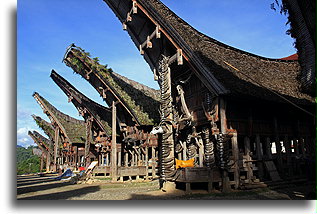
x,y
101,115
258,75
75,130
137,100
44,143
45,126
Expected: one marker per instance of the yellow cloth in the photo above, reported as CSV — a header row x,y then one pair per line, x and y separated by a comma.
x,y
182,163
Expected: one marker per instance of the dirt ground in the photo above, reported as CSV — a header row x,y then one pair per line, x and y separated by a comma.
x,y
34,187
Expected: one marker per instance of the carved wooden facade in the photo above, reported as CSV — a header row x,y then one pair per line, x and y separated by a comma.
x,y
227,108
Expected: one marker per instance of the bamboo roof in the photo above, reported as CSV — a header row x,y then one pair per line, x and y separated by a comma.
x,y
257,76
137,100
73,130
87,107
45,126
44,143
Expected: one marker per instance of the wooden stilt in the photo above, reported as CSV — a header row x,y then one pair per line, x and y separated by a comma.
x,y
288,151
88,140
184,150
114,144
259,154
268,148
153,162
201,152
223,129
247,150
235,153
278,147
146,163
302,146
56,148
138,159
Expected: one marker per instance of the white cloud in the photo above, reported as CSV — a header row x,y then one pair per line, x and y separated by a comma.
x,y
23,139
23,131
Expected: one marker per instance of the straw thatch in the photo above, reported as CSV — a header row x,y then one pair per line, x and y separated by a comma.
x,y
277,75
75,129
141,100
101,115
258,76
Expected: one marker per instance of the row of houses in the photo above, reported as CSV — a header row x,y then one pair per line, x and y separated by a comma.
x,y
222,116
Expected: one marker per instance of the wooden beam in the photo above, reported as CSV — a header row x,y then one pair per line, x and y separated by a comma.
x,y
114,143
235,153
287,145
278,146
247,150
88,141
223,129
259,154
56,147
153,162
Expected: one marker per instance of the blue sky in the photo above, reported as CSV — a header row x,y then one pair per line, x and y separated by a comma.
x,y
46,28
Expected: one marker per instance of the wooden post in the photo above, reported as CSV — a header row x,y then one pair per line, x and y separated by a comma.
x,y
153,162
296,147
168,140
48,162
200,152
278,147
126,158
235,153
56,148
132,157
268,148
114,143
248,160
88,140
302,147
288,151
119,158
119,163
259,154
184,150
138,159
107,159
146,162
223,129
102,159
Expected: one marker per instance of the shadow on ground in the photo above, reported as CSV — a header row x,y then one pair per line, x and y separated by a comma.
x,y
45,186
64,195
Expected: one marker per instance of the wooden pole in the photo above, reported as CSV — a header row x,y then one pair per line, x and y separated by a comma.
x,y
268,148
48,162
248,163
114,143
287,145
201,152
42,162
278,147
259,154
223,130
88,141
153,162
126,158
235,153
146,162
56,147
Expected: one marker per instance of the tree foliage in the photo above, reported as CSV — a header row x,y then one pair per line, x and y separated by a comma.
x,y
26,161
